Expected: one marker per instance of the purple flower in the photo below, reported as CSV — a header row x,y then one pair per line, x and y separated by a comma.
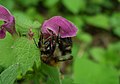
x,y
9,22
59,25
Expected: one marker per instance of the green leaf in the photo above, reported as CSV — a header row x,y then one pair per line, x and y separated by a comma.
x,y
117,31
67,80
52,73
77,20
26,54
98,54
75,49
50,3
74,5
88,72
115,19
8,4
1,69
98,1
115,23
6,58
84,37
34,14
100,20
9,75
24,23
105,3
28,2
113,53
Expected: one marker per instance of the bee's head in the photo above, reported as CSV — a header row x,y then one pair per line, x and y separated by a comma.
x,y
47,45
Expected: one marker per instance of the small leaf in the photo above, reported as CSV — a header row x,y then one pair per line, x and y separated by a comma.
x,y
9,75
34,14
67,80
100,20
8,4
52,73
117,31
115,19
115,23
24,23
26,54
50,3
28,2
88,72
36,24
6,59
113,53
75,49
98,54
78,21
84,37
74,5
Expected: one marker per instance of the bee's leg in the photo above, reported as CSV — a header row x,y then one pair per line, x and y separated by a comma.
x,y
58,37
40,40
64,58
35,43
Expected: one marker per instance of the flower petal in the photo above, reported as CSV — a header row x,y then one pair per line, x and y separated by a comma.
x,y
10,26
2,33
67,28
9,21
4,14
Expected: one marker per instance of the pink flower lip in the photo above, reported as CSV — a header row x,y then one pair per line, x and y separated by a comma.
x,y
59,25
9,22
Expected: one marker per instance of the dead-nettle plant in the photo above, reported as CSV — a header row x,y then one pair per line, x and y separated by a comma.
x,y
55,34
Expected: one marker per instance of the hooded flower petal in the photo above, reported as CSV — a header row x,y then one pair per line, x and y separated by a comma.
x,y
9,21
4,14
59,25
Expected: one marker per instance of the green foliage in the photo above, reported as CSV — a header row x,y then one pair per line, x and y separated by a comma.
x,y
26,54
96,48
67,80
74,5
84,37
107,56
115,19
50,3
99,20
9,4
9,75
113,53
115,22
52,73
77,20
117,31
34,15
24,23
98,54
88,72
28,3
5,51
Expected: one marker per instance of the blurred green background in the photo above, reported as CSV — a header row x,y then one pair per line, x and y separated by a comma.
x,y
96,48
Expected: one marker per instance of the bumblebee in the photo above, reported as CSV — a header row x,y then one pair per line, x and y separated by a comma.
x,y
54,49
